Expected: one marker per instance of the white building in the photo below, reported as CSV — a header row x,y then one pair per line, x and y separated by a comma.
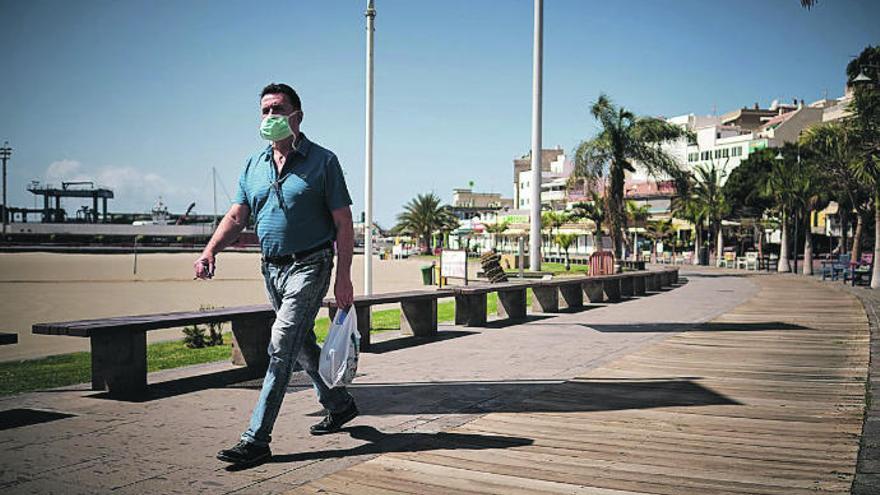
x,y
728,143
553,182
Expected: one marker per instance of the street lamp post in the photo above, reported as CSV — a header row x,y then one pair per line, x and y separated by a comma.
x,y
779,156
5,154
537,55
368,176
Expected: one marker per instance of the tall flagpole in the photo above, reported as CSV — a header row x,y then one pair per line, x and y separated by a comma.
x,y
535,232
368,176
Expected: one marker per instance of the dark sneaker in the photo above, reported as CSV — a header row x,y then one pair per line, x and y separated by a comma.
x,y
245,454
334,421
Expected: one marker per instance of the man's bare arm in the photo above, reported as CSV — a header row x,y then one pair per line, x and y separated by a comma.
x,y
343,290
227,232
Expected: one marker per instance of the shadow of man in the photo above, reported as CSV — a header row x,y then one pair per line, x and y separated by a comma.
x,y
378,442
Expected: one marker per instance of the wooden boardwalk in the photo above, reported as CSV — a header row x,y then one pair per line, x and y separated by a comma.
x,y
767,398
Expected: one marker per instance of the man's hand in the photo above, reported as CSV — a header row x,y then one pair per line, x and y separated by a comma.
x,y
343,291
204,266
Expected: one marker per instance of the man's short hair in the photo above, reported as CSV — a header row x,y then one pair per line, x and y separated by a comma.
x,y
281,88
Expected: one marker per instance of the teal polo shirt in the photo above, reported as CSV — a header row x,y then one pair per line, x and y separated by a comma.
x,y
291,210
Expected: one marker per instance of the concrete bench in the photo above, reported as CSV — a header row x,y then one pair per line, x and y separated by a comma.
x,y
471,307
8,338
418,311
549,296
119,344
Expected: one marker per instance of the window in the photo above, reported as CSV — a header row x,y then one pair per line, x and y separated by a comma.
x,y
717,153
725,153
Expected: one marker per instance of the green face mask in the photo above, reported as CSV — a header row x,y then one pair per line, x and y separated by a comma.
x,y
276,128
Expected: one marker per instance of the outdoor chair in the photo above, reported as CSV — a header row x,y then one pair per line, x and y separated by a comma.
x,y
728,260
768,262
751,260
861,270
834,268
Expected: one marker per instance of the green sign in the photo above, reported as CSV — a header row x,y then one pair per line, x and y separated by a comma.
x,y
515,218
757,145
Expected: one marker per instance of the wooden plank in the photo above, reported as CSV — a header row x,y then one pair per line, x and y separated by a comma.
x,y
84,328
767,398
392,297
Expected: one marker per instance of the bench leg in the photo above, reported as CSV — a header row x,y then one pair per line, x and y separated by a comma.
x,y
512,304
594,291
572,295
545,299
639,285
470,310
626,286
250,343
611,289
119,363
365,324
418,318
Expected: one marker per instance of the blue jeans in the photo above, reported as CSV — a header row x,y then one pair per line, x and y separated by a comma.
x,y
296,291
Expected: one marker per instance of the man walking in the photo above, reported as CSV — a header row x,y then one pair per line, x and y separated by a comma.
x,y
297,194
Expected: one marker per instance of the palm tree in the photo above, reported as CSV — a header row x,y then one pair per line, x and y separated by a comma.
x,y
565,241
686,207
865,125
593,210
424,215
636,215
782,185
496,229
657,231
552,220
623,141
827,152
707,192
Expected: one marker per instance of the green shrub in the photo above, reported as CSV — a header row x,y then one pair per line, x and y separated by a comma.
x,y
194,336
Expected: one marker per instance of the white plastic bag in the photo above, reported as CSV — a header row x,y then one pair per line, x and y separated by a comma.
x,y
339,356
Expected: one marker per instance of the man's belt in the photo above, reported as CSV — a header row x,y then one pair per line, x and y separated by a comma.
x,y
286,259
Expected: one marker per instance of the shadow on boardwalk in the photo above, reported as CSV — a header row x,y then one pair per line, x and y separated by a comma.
x,y
379,442
516,396
475,397
682,327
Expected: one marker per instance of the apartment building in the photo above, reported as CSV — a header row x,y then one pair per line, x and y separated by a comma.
x,y
524,164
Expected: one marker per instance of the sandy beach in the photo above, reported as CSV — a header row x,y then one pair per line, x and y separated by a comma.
x,y
45,287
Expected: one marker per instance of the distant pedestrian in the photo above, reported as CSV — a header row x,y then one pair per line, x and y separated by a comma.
x,y
297,194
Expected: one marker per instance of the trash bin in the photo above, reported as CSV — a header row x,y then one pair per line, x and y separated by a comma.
x,y
427,274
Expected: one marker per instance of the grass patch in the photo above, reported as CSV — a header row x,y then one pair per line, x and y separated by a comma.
x,y
69,369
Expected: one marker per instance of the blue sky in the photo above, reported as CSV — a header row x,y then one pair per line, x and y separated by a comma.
x,y
147,96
